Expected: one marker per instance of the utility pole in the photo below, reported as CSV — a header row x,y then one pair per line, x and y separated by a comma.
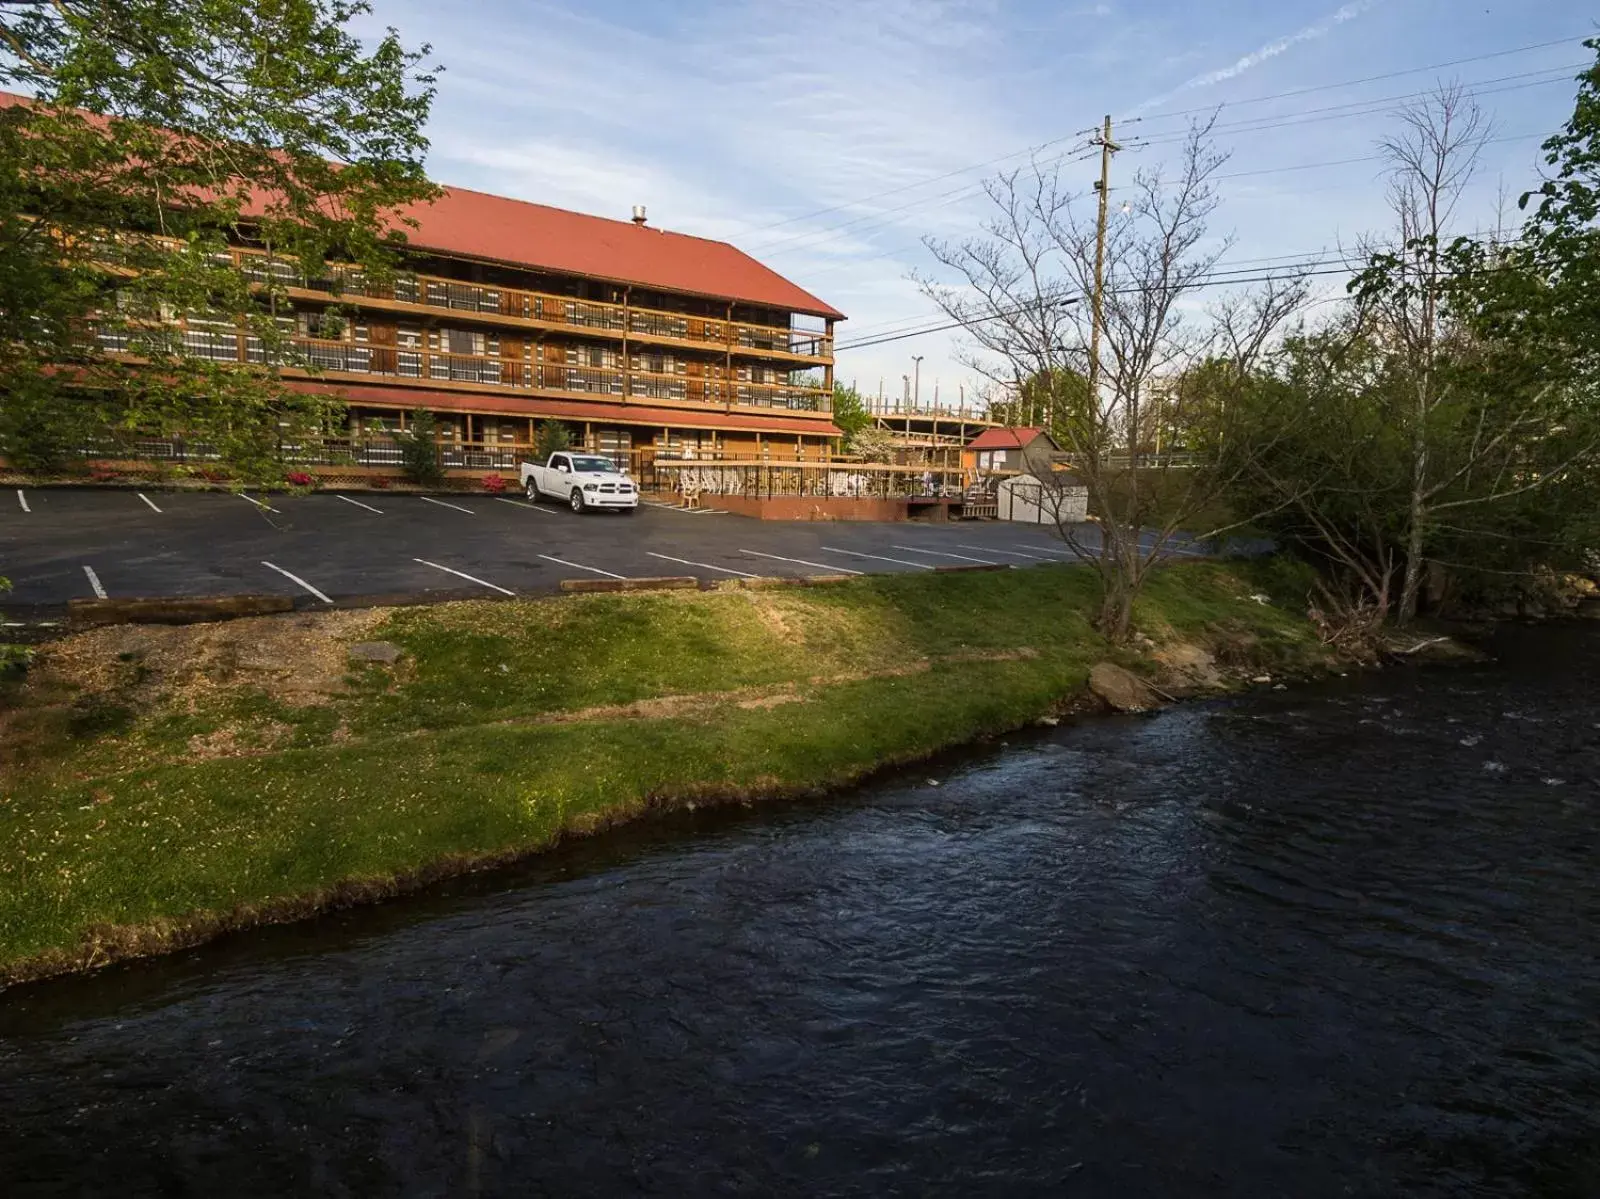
x,y
1107,149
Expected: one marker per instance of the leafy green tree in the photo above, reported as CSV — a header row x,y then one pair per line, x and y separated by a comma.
x,y
419,449
156,135
1057,400
850,413
551,437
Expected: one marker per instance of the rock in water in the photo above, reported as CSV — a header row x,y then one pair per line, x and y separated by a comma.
x,y
1121,689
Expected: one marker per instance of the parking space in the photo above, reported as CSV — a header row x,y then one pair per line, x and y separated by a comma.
x,y
325,548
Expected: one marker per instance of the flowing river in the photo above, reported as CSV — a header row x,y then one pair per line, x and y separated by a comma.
x,y
1341,940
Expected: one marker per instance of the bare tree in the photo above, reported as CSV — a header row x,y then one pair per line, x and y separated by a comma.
x,y
1432,158
1022,300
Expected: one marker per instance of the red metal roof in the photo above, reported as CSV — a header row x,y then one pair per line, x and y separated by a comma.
x,y
1007,439
737,421
478,225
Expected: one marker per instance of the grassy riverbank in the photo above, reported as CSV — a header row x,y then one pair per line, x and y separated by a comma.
x,y
161,785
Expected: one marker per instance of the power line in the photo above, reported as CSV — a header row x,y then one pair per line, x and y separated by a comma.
x,y
966,170
1238,272
1323,87
1244,270
1116,291
1455,62
874,218
1362,108
827,234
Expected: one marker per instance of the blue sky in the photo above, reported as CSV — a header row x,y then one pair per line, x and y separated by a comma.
x,y
779,125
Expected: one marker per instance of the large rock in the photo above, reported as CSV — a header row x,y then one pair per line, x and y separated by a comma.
x,y
1121,689
1188,668
386,652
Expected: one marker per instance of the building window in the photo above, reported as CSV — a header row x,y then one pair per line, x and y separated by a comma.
x,y
325,326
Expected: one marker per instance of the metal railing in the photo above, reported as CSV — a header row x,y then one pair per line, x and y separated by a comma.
x,y
450,295
833,480
415,362
889,409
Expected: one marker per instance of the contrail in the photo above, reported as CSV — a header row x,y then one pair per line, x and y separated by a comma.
x,y
1255,58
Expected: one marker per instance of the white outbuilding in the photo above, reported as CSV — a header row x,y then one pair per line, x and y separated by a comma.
x,y
1030,500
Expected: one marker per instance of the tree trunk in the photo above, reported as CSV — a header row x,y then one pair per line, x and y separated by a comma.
x,y
1416,510
1117,592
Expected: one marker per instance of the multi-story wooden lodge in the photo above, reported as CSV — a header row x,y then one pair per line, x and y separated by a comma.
x,y
644,342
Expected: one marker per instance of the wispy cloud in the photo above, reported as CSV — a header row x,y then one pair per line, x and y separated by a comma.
x,y
1317,29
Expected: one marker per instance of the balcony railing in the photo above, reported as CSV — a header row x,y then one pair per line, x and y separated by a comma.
x,y
399,362
449,295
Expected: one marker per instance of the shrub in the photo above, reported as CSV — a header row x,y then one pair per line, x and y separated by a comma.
x,y
380,482
493,484
419,449
298,478
552,437
101,474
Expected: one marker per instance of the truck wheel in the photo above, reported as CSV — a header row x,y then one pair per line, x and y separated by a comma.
x,y
533,492
577,501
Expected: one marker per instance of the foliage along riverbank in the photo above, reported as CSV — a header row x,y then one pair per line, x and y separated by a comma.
x,y
164,785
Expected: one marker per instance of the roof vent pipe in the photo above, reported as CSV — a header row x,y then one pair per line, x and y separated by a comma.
x,y
638,215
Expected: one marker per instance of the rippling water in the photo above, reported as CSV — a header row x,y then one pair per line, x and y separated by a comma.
x,y
1343,941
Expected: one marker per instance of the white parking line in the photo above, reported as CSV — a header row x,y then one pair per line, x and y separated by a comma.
x,y
524,504
580,566
257,503
915,549
833,549
827,566
23,500
460,574
743,574
359,504
296,579
1044,549
442,504
94,581
147,500
989,549
685,511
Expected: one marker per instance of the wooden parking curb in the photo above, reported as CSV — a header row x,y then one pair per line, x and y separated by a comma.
x,y
763,582
88,614
667,583
945,570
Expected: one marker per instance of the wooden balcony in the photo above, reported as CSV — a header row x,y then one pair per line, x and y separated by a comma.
x,y
539,310
423,367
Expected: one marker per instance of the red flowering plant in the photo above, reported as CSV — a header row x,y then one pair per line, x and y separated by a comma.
x,y
493,484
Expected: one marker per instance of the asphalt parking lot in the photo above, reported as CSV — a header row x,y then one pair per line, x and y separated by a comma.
x,y
59,544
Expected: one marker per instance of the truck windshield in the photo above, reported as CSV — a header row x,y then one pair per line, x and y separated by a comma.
x,y
592,464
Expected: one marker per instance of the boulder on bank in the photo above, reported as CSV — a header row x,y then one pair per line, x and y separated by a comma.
x,y
1188,669
1121,689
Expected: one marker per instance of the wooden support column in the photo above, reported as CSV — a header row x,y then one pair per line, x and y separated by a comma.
x,y
728,380
827,370
627,359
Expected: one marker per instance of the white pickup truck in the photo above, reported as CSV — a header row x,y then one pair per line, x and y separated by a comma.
x,y
583,481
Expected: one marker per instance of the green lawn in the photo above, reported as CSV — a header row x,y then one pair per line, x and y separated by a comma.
x,y
146,806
